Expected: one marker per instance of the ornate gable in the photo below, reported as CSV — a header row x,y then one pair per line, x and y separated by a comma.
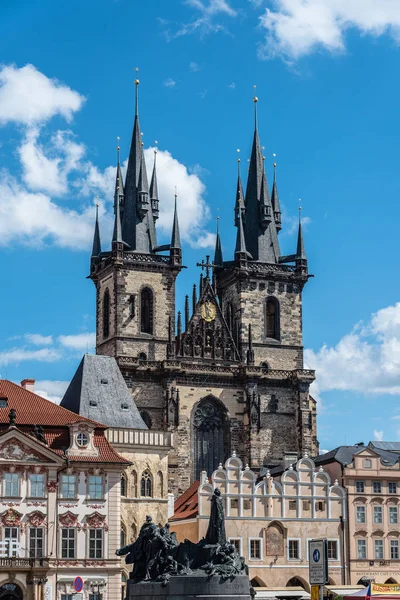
x,y
14,450
207,334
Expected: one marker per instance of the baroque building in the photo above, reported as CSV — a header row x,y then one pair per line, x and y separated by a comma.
x,y
270,521
60,507
228,374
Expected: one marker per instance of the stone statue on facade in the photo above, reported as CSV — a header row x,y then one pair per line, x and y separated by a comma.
x,y
216,525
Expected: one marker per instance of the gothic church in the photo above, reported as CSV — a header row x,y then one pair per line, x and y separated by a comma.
x,y
227,375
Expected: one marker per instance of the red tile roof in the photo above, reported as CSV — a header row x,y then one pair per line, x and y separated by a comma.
x,y
32,410
186,506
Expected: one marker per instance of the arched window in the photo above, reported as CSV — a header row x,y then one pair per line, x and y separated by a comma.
x,y
146,418
146,484
123,485
146,311
160,482
134,532
142,356
106,314
122,540
134,484
272,328
211,435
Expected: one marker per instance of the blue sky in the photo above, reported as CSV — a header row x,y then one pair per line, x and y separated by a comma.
x,y
326,77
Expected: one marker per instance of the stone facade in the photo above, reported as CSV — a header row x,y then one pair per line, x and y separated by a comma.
x,y
271,520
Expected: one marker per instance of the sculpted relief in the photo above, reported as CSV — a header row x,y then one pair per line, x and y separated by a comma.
x,y
13,450
274,541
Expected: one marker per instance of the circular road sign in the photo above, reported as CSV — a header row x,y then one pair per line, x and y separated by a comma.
x,y
78,584
316,555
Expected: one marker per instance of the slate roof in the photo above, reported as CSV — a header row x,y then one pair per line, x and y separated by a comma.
x,y
99,392
33,410
344,455
390,446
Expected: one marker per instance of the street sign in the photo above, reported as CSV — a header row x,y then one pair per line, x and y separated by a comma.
x,y
318,562
78,584
315,592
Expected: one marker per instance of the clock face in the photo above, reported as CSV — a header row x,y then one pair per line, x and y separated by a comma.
x,y
208,311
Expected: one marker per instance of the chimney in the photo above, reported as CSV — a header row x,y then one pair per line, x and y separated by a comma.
x,y
28,384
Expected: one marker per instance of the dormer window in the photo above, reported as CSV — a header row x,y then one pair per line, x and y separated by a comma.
x,y
3,402
125,406
82,439
92,403
104,381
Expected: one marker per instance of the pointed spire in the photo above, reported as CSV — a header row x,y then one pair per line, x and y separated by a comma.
x,y
301,253
176,250
175,238
194,298
276,207
179,333
132,178
154,188
240,249
96,249
265,202
218,248
239,204
118,201
186,312
143,188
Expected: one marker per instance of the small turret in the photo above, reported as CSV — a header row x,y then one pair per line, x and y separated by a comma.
x,y
154,189
143,189
301,258
117,243
96,248
276,207
265,203
176,249
218,261
240,248
239,204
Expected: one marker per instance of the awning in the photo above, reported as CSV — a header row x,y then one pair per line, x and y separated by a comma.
x,y
289,592
344,590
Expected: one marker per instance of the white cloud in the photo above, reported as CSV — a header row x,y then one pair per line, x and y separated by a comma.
x,y
80,341
27,96
193,66
169,83
366,360
39,340
208,22
378,435
18,355
34,219
192,209
48,172
232,85
51,390
296,28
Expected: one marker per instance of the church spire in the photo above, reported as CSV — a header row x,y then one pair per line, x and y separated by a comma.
x,y
239,204
96,248
276,207
154,188
118,201
301,257
240,248
176,249
218,248
260,229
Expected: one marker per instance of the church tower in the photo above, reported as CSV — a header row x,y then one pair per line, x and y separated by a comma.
x,y
227,374
135,283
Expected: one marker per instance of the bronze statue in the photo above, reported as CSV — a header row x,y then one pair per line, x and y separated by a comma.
x,y
216,525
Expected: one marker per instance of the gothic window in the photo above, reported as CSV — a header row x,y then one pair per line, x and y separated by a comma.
x,y
122,540
146,484
146,311
123,485
134,484
272,318
106,314
146,418
160,484
211,435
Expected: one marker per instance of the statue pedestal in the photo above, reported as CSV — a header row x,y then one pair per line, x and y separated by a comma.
x,y
191,587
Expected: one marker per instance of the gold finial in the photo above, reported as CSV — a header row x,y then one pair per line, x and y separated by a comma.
x,y
176,192
156,148
97,202
137,80
118,147
255,99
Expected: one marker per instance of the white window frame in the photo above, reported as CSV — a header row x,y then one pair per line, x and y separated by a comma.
x,y
298,540
365,546
398,549
363,486
337,547
239,539
392,483
383,548
261,540
18,476
102,543
376,481
74,529
90,497
365,514
396,522
375,506
31,486
35,530
69,497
